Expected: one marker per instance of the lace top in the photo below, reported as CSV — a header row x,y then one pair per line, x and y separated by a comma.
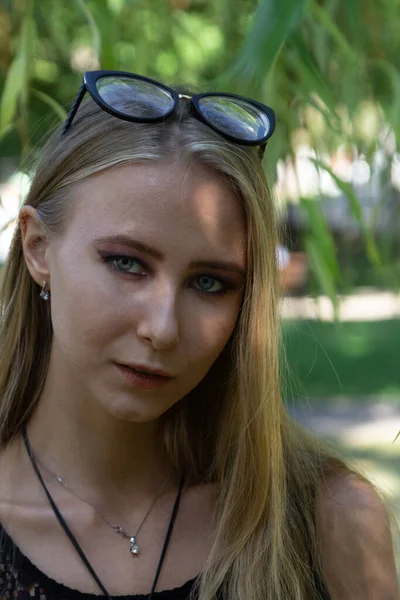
x,y
20,579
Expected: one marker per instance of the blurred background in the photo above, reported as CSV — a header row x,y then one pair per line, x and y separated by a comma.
x,y
331,71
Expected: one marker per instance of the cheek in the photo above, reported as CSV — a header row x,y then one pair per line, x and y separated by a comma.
x,y
208,331
84,307
78,321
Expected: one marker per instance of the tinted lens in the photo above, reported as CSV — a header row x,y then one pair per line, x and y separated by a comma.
x,y
235,117
135,97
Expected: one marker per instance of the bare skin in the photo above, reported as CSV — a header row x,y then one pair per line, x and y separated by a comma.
x,y
92,426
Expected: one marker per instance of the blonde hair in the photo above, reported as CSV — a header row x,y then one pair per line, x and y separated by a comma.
x,y
233,429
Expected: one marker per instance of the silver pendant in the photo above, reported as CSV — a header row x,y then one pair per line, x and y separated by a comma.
x,y
134,549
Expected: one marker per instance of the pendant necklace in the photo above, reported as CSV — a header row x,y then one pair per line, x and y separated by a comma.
x,y
134,548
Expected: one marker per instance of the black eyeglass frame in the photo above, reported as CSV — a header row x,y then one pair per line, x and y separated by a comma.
x,y
90,79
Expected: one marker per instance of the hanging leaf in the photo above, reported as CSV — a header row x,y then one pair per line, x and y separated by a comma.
x,y
321,271
12,91
273,21
96,37
321,250
319,230
314,82
393,75
26,50
104,23
16,87
52,103
356,210
324,20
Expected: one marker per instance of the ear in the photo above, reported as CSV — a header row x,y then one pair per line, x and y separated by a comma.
x,y
34,244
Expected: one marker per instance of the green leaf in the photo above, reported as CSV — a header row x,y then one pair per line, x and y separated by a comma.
x,y
273,21
391,110
315,83
26,50
356,210
96,37
326,21
322,236
17,80
105,25
52,103
321,251
12,90
321,271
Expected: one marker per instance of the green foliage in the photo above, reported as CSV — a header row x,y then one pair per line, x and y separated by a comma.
x,y
321,250
272,24
348,191
354,359
330,69
16,88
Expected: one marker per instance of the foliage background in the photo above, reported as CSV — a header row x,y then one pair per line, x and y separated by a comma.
x,y
324,65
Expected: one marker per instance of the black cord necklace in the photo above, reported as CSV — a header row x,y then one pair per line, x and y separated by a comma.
x,y
73,539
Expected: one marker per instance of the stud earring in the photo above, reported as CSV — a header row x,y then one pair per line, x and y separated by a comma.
x,y
45,294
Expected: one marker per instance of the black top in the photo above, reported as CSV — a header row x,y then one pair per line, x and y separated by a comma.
x,y
20,579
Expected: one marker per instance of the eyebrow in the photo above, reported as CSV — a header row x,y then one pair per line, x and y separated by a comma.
x,y
229,266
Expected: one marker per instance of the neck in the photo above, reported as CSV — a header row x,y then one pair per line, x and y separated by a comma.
x,y
106,459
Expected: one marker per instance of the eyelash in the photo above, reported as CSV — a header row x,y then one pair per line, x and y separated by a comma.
x,y
111,259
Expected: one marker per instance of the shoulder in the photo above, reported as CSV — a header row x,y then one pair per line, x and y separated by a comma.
x,y
355,541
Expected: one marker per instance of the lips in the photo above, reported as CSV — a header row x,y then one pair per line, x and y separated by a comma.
x,y
134,376
147,371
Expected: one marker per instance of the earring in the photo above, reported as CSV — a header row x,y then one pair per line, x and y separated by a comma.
x,y
45,294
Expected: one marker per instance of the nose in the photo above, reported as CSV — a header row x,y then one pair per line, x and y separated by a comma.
x,y
159,323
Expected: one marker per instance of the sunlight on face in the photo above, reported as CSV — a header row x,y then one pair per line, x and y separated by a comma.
x,y
150,271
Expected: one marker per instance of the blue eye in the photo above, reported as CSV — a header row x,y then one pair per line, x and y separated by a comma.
x,y
125,264
203,284
206,283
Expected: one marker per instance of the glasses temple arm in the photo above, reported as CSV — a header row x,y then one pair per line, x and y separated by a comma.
x,y
74,108
261,150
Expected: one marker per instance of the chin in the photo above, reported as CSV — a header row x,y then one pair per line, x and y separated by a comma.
x,y
136,411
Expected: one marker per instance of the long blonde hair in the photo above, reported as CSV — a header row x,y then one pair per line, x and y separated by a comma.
x,y
233,429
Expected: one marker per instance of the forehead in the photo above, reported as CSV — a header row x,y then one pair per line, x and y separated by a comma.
x,y
165,203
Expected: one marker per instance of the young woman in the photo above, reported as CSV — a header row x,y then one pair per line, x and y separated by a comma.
x,y
145,448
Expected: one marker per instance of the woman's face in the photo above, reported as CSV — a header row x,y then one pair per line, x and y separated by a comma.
x,y
149,271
